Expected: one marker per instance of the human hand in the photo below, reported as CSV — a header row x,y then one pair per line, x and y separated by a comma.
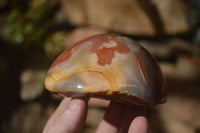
x,y
71,114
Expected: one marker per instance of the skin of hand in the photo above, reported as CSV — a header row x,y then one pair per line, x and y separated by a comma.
x,y
71,114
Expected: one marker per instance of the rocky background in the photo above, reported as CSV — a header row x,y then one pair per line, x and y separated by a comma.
x,y
34,32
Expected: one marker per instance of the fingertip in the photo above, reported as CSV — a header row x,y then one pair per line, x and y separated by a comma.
x,y
139,125
73,118
78,104
60,109
112,119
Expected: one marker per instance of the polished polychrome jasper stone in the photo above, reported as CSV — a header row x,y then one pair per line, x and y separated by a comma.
x,y
108,66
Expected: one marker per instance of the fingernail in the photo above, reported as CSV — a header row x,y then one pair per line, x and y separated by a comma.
x,y
73,104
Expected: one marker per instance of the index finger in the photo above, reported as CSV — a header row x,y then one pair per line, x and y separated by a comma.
x,y
118,117
70,118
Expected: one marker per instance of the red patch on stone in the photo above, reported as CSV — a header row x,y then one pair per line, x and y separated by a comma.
x,y
105,55
121,47
97,42
65,55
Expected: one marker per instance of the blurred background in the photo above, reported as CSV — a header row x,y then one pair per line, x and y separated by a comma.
x,y
34,32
